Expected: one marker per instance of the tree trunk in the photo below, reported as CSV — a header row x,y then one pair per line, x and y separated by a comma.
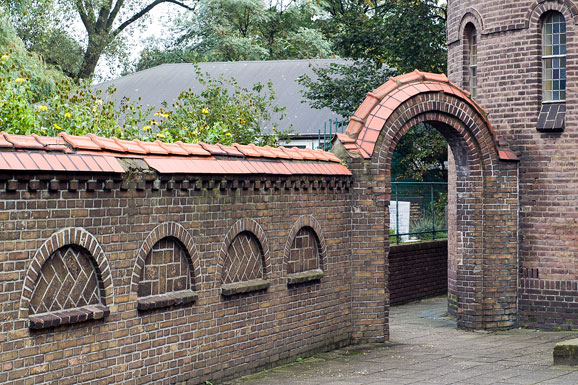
x,y
91,57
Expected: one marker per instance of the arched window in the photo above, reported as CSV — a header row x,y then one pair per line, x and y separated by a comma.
x,y
553,111
471,60
554,58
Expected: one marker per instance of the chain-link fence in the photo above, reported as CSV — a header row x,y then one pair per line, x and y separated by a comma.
x,y
418,211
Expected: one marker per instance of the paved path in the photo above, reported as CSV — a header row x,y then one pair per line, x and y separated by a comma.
x,y
426,348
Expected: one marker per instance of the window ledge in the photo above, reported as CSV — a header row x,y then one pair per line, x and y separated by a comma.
x,y
304,276
175,298
552,117
68,316
244,287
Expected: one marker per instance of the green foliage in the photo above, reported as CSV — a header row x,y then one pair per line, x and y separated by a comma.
x,y
343,87
233,30
39,25
404,34
41,78
420,155
387,38
222,113
425,224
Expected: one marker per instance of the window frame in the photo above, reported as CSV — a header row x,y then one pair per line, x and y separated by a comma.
x,y
548,94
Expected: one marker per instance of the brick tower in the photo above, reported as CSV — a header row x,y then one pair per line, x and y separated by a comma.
x,y
519,59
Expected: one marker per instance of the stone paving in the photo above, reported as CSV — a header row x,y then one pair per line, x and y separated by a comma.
x,y
427,348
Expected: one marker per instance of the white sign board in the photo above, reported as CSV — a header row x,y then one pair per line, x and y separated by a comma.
x,y
402,221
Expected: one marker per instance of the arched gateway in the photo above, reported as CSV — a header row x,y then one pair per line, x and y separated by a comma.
x,y
483,218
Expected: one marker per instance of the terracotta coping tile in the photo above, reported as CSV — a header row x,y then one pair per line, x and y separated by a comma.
x,y
12,160
79,163
102,163
263,151
386,88
291,166
320,154
194,149
130,146
91,163
250,164
114,164
292,153
172,148
307,155
53,162
26,161
260,167
23,141
63,159
214,149
234,166
278,168
4,143
231,151
339,169
51,143
80,142
344,138
107,143
247,150
4,164
152,147
277,152
40,161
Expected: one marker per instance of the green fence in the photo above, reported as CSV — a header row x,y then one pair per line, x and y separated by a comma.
x,y
418,211
332,126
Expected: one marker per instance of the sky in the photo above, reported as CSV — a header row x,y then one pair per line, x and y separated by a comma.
x,y
155,25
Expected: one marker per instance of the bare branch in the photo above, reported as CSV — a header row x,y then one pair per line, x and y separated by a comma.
x,y
145,10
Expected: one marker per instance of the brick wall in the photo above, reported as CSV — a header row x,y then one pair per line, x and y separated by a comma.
x,y
509,87
417,271
121,278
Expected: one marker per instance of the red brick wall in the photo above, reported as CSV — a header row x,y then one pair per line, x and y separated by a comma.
x,y
509,87
417,271
138,230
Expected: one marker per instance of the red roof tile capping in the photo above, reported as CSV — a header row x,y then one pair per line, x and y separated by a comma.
x,y
91,153
366,124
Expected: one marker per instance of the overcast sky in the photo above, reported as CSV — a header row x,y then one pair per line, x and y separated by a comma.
x,y
156,25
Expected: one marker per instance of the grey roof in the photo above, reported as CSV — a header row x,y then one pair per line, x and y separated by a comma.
x,y
167,81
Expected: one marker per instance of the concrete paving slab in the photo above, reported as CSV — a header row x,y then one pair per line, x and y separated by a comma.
x,y
427,348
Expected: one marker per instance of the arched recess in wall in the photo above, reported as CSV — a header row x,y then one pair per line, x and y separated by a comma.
x,y
243,259
68,281
167,269
305,251
471,29
567,8
485,179
474,17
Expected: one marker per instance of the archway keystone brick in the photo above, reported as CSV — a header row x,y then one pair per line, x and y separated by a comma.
x,y
483,221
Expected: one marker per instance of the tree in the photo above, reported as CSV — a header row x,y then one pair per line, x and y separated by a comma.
x,y
40,24
404,34
387,38
104,20
233,30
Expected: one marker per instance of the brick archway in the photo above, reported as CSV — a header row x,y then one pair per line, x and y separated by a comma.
x,y
483,250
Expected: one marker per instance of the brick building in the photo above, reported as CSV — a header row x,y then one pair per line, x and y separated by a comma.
x,y
520,60
126,262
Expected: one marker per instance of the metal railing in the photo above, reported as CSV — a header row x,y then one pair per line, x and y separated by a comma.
x,y
330,127
423,218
